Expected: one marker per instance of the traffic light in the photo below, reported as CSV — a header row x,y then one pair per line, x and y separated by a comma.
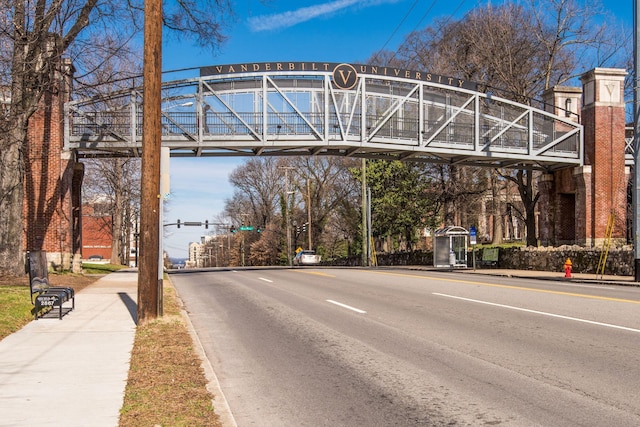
x,y
178,223
206,223
259,230
232,229
304,227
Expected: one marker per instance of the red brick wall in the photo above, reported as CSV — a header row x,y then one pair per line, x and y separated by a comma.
x,y
604,151
584,200
48,208
96,234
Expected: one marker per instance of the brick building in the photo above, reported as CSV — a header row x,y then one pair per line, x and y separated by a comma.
x,y
97,232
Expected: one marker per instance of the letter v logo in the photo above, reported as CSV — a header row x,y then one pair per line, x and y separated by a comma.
x,y
345,76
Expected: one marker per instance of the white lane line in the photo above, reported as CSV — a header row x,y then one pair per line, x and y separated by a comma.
x,y
348,307
543,313
266,280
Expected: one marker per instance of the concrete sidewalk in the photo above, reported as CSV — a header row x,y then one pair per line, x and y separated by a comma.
x,y
72,372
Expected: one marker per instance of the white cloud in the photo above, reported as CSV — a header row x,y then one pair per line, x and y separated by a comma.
x,y
294,17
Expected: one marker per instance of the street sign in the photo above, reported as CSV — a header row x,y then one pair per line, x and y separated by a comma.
x,y
245,228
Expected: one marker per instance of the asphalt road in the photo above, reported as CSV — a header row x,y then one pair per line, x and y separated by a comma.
x,y
354,347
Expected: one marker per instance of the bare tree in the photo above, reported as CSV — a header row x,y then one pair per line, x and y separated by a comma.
x,y
43,38
116,182
322,185
319,187
259,181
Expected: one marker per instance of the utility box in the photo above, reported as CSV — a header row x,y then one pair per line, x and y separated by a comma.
x,y
450,247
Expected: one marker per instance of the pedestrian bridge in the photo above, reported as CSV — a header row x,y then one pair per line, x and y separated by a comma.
x,y
314,108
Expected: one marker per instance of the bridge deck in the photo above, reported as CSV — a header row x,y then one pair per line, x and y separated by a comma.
x,y
285,113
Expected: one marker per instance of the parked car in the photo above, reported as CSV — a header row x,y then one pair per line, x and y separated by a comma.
x,y
306,258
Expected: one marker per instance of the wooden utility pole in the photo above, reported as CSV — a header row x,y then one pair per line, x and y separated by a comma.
x,y
149,279
309,214
636,140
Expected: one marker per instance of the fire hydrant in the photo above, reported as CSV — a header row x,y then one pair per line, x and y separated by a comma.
x,y
567,268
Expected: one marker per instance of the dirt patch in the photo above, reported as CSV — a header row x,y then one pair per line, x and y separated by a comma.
x,y
76,281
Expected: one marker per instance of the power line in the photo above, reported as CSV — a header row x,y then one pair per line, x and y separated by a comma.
x,y
406,15
425,15
393,55
400,24
446,20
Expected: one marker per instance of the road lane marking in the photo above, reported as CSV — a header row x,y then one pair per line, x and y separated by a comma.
x,y
266,280
521,288
317,273
348,307
543,313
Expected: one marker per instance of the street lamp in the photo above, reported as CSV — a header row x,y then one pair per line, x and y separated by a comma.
x,y
184,104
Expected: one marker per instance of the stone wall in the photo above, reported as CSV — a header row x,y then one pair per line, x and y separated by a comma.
x,y
584,260
620,261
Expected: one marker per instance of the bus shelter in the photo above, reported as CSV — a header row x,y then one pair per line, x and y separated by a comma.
x,y
450,247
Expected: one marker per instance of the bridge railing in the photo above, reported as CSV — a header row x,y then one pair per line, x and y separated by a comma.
x,y
275,114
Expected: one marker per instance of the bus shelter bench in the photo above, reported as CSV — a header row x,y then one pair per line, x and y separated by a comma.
x,y
489,257
43,296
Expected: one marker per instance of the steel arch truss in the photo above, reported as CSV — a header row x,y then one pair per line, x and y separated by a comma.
x,y
286,113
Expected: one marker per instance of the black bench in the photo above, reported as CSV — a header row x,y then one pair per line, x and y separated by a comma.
x,y
43,296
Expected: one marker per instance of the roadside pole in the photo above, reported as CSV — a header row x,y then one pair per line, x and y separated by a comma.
x,y
472,239
636,142
365,234
148,281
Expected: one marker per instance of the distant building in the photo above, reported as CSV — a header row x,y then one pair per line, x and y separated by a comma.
x,y
196,251
97,231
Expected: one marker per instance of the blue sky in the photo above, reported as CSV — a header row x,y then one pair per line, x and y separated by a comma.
x,y
287,30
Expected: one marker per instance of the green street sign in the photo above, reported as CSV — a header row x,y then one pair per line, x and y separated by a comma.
x,y
245,228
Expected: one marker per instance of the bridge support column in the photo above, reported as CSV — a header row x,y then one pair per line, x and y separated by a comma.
x,y
51,210
546,217
583,179
575,204
603,117
557,223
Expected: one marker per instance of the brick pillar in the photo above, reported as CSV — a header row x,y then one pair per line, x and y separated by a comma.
x,y
603,117
546,206
49,172
582,177
76,192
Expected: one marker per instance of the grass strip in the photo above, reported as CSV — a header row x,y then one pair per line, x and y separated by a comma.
x,y
166,385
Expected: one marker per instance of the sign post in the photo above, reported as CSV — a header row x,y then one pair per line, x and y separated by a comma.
x,y
472,240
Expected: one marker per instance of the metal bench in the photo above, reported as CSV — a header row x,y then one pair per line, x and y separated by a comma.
x,y
43,296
